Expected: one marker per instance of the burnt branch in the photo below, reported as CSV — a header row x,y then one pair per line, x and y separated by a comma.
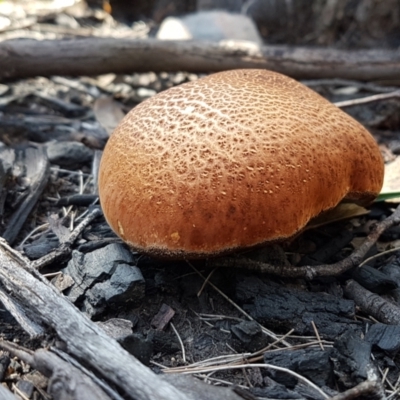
x,y
373,304
65,248
95,56
312,272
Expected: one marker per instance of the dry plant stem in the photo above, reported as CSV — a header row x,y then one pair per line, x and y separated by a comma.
x,y
265,330
65,248
373,304
368,99
312,272
180,342
317,335
383,253
18,392
270,366
368,389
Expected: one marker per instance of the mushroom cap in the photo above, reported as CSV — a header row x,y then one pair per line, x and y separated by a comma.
x,y
231,161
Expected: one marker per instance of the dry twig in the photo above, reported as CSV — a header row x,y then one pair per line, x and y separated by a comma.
x,y
373,304
312,272
65,248
367,389
368,99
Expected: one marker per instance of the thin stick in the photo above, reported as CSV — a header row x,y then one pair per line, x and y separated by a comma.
x,y
270,366
65,248
19,392
366,390
379,255
180,342
205,282
317,335
265,330
312,272
368,99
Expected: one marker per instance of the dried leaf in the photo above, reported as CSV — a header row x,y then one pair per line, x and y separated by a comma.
x,y
339,213
391,182
108,112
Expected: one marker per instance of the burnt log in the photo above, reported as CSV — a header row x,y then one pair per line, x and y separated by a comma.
x,y
92,56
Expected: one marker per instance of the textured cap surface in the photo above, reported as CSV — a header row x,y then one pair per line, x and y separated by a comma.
x,y
233,160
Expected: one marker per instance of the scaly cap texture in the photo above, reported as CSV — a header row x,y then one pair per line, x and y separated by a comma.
x,y
234,160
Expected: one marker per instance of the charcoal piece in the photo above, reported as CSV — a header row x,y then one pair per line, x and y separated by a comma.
x,y
83,200
275,305
87,269
68,154
250,335
386,337
274,390
392,270
327,251
126,284
105,276
37,170
42,246
373,279
352,360
313,363
391,234
97,244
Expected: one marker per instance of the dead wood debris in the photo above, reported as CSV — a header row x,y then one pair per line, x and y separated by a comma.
x,y
311,272
65,247
64,377
373,304
249,342
94,56
81,337
368,389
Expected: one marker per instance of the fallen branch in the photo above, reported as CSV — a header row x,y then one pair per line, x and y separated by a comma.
x,y
64,377
312,272
82,338
373,304
92,56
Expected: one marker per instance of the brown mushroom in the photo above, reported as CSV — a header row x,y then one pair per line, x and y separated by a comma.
x,y
234,160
